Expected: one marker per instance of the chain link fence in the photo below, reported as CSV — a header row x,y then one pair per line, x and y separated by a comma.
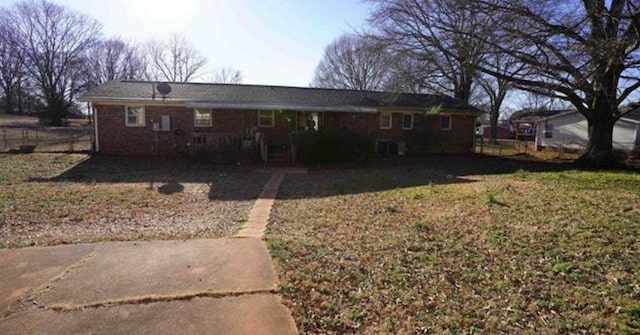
x,y
46,139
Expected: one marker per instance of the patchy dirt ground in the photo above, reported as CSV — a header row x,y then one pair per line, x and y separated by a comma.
x,y
48,199
460,246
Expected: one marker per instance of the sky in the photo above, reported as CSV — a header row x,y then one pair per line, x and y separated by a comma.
x,y
271,42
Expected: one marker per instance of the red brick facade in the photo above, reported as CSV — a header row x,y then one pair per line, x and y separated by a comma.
x,y
426,135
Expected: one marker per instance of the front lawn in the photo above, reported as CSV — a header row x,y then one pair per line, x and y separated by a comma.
x,y
463,246
48,199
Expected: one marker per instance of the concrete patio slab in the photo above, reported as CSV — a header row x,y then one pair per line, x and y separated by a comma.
x,y
23,271
250,314
152,271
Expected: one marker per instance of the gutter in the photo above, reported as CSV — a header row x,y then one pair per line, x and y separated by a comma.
x,y
259,106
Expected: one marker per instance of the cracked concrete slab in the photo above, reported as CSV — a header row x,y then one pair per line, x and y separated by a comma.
x,y
132,271
23,271
249,314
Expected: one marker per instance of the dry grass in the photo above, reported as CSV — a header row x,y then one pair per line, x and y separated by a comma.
x,y
460,246
48,199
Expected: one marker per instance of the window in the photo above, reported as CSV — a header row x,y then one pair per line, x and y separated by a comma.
x,y
548,130
385,121
201,118
407,121
134,116
445,122
266,119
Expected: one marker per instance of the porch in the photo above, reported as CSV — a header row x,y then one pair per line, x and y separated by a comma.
x,y
239,147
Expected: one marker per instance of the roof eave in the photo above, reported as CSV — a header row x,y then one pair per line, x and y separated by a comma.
x,y
229,105
272,106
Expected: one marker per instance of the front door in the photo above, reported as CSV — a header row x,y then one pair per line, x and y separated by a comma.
x,y
307,121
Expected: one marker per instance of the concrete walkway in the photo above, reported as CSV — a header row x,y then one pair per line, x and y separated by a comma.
x,y
208,286
261,210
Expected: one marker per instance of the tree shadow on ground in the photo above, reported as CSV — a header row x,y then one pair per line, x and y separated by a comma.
x,y
233,182
167,175
406,172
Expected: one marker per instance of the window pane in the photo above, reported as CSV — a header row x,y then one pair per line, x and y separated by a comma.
x,y
202,118
266,118
135,116
407,121
548,130
385,121
445,122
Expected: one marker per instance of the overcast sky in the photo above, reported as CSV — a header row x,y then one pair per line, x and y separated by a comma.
x,y
276,42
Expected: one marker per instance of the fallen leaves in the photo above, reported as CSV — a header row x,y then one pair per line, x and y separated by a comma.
x,y
382,250
55,199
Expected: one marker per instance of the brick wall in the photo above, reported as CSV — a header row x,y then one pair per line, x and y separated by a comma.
x,y
118,139
425,137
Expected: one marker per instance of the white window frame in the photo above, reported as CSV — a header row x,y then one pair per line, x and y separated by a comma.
x,y
202,112
412,121
382,117
270,115
140,119
450,122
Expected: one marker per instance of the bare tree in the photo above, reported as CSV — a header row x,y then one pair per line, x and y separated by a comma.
x,y
52,41
407,74
432,33
12,71
227,75
174,60
496,89
114,59
353,62
584,52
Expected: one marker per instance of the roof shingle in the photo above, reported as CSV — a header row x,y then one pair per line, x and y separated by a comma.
x,y
232,94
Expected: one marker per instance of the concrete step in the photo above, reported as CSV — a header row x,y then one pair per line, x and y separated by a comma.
x,y
279,158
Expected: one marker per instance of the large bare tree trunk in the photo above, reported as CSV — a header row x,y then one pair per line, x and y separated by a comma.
x,y
493,119
599,150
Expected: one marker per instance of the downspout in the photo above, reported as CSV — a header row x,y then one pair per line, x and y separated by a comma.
x,y
96,134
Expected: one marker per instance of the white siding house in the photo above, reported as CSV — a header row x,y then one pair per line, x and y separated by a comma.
x,y
570,131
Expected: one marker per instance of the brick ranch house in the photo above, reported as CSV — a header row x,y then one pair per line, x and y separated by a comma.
x,y
252,122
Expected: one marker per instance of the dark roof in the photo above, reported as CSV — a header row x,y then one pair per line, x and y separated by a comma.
x,y
634,114
534,115
232,95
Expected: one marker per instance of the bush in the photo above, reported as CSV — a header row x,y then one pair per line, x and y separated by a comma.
x,y
314,147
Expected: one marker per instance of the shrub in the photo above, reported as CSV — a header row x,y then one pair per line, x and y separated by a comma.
x,y
313,147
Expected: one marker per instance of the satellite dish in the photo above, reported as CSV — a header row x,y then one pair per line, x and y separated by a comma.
x,y
163,88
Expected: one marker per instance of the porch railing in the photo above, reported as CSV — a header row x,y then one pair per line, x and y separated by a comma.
x,y
231,146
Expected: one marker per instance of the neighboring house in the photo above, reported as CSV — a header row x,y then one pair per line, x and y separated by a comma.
x,y
524,121
481,127
505,131
569,130
133,118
